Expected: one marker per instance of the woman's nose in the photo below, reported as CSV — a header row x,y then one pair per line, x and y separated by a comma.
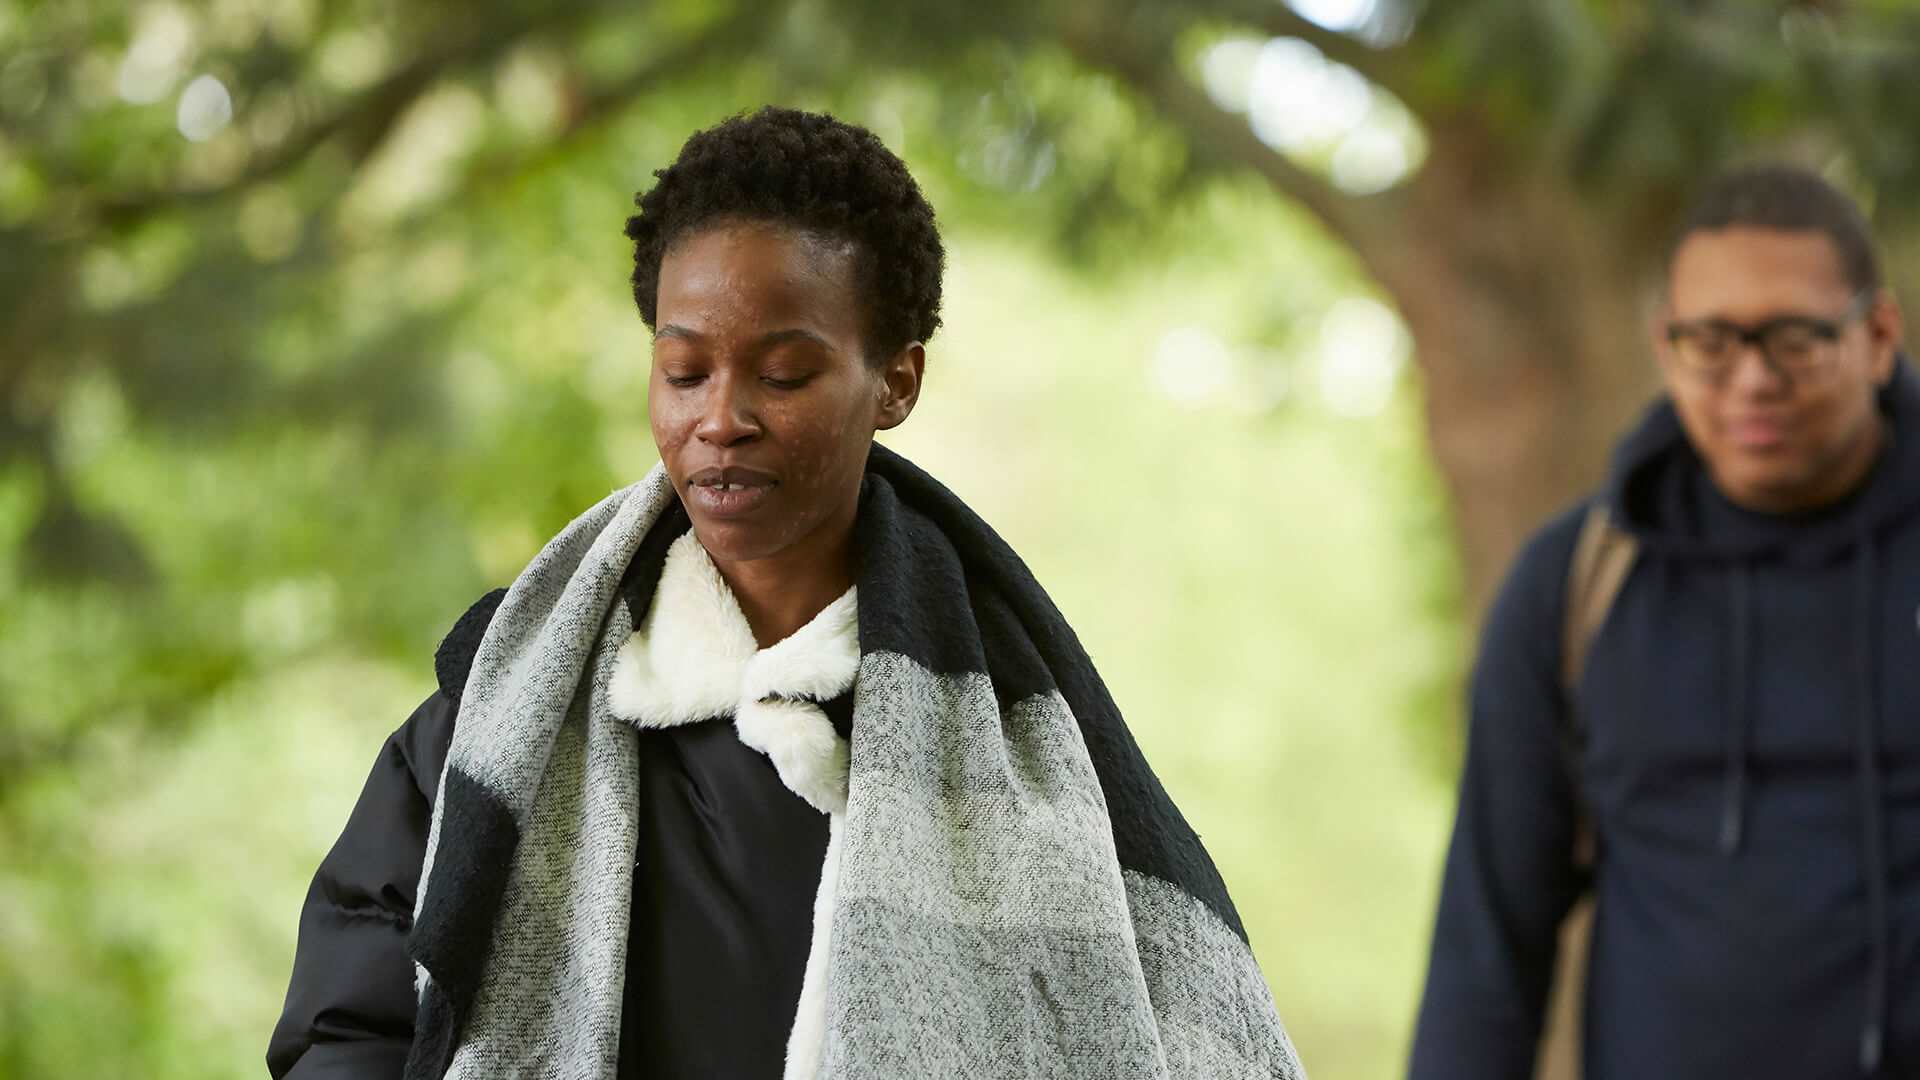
x,y
728,417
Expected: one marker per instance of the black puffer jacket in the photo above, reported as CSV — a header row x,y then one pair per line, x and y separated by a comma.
x,y
349,1010
727,866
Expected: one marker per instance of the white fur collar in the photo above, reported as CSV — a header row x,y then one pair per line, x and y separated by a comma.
x,y
694,658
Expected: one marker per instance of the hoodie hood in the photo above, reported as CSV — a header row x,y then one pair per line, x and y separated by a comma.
x,y
1661,493
1659,490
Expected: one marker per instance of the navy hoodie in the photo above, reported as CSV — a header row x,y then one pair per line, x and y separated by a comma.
x,y
1751,770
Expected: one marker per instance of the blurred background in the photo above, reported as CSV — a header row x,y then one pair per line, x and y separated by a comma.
x,y
1272,329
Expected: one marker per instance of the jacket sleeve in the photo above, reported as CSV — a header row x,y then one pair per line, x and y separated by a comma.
x,y
1510,877
350,1005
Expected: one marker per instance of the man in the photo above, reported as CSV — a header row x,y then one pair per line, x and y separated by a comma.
x,y
1735,772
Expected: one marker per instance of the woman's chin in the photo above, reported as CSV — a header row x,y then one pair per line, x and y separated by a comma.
x,y
738,541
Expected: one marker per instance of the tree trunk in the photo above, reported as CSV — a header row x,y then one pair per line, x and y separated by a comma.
x,y
1529,310
1523,296
1528,315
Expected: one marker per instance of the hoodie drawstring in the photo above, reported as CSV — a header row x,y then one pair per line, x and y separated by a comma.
x,y
1733,803
1872,823
1867,772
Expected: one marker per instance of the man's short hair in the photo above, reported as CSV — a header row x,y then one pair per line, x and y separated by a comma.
x,y
1787,197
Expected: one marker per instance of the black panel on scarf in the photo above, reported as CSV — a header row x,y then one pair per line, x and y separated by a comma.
x,y
454,931
454,658
643,573
913,589
938,585
436,1034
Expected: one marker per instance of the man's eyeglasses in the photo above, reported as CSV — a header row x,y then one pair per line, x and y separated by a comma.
x,y
1790,345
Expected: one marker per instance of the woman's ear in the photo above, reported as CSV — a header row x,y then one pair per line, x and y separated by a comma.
x,y
899,386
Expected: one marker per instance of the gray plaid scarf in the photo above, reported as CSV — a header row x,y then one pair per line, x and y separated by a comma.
x,y
1009,892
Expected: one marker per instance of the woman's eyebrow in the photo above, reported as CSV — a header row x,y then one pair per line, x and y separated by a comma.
x,y
765,341
793,333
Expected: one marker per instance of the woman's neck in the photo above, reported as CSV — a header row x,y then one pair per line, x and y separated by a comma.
x,y
783,592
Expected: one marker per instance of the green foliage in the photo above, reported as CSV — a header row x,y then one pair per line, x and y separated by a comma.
x,y
277,403
1632,96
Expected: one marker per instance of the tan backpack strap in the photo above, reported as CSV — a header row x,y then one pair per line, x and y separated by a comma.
x,y
1601,559
1602,556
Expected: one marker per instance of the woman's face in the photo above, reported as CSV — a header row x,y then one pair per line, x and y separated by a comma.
x,y
762,399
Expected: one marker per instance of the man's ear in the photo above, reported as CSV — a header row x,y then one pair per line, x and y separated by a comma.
x,y
899,386
1657,321
1886,328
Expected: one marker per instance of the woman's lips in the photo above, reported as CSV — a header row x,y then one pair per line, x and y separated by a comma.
x,y
729,491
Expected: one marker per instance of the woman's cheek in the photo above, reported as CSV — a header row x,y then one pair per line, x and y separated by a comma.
x,y
816,466
670,432
807,466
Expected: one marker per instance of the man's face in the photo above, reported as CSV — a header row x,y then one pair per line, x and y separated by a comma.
x,y
1797,430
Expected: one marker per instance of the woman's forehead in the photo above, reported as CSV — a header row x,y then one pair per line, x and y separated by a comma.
x,y
747,276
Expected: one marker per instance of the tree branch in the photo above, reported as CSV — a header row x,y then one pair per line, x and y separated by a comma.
x,y
1356,221
372,112
601,104
1383,66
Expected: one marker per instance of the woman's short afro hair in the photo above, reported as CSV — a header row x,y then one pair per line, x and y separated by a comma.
x,y
815,173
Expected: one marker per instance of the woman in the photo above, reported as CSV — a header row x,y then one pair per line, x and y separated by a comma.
x,y
778,762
